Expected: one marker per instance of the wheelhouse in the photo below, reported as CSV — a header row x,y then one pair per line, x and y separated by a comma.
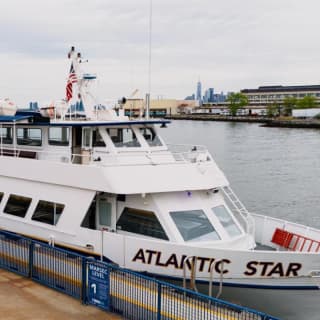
x,y
78,142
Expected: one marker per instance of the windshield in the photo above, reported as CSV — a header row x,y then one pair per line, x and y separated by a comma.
x,y
226,220
151,137
123,137
194,225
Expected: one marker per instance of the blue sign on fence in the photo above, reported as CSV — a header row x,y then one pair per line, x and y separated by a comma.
x,y
98,285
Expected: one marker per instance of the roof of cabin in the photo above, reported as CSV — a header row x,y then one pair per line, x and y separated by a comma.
x,y
102,123
35,119
15,118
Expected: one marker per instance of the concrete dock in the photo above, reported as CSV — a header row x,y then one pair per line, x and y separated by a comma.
x,y
24,299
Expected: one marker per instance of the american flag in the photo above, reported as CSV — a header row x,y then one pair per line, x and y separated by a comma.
x,y
72,79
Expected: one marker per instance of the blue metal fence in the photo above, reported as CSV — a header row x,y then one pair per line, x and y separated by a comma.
x,y
130,294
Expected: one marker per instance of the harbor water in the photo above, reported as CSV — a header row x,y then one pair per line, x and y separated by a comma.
x,y
274,171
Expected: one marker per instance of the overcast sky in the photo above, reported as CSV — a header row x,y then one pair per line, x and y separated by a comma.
x,y
229,45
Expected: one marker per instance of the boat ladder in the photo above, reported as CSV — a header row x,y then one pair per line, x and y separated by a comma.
x,y
240,208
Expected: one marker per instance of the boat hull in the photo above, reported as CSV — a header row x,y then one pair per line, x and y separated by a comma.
x,y
290,303
283,284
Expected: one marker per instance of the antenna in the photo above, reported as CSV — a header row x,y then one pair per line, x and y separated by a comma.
x,y
149,69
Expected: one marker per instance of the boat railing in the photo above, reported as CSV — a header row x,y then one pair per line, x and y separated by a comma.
x,y
240,210
175,154
266,226
66,157
189,153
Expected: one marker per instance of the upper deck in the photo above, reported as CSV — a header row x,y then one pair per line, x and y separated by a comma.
x,y
106,143
113,156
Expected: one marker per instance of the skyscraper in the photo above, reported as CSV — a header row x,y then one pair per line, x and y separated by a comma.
x,y
198,95
210,94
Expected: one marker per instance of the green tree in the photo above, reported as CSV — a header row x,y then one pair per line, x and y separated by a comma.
x,y
272,110
236,101
289,103
307,102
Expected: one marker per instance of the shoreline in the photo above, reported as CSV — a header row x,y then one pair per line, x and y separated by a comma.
x,y
266,122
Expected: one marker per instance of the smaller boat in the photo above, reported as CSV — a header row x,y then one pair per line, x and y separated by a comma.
x,y
7,107
55,109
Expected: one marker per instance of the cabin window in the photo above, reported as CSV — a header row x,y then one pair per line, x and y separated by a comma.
x,y
194,225
97,140
29,136
151,137
59,136
1,196
105,211
226,220
17,205
123,137
89,220
6,135
141,222
48,212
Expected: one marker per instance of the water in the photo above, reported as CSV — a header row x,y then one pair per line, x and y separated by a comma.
x,y
274,171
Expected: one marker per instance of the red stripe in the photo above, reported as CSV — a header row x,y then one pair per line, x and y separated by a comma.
x,y
72,79
68,91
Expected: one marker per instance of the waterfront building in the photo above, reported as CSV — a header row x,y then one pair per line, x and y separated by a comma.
x,y
266,95
135,107
192,97
33,106
198,94
219,97
223,109
208,95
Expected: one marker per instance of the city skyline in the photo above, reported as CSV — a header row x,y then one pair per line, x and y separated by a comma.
x,y
230,46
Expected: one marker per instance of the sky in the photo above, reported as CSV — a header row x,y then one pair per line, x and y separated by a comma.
x,y
229,45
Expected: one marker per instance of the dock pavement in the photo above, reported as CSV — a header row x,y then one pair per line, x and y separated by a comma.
x,y
24,299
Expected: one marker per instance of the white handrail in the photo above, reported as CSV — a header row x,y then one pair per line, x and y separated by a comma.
x,y
192,154
241,209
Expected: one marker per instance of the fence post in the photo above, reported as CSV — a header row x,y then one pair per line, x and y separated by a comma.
x,y
108,288
159,302
31,249
84,298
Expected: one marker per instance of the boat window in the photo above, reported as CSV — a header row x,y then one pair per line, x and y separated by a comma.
x,y
151,137
105,211
123,137
194,225
1,196
48,212
17,205
29,136
97,140
6,135
59,136
226,220
89,220
142,222
86,137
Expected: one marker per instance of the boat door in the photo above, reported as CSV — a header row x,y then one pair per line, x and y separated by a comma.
x,y
86,146
106,212
76,144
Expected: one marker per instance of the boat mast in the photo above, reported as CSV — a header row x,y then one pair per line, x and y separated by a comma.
x,y
84,81
149,68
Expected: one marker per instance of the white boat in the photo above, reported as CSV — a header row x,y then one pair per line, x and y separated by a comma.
x,y
7,107
108,186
